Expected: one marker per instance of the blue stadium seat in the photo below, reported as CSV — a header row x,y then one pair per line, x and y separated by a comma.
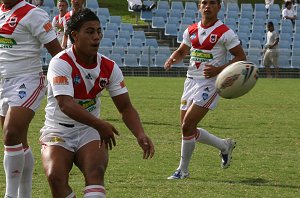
x,y
152,42
255,44
180,36
161,13
260,7
124,34
139,34
296,45
260,15
171,30
246,15
163,5
146,15
257,36
130,60
189,13
145,60
295,61
127,27
164,50
174,20
112,26
134,50
158,23
49,3
121,42
232,7
232,15
149,50
106,42
246,7
106,51
244,28
244,21
103,12
136,42
111,34
191,6
175,13
187,20
160,60
283,62
115,19
274,8
285,37
177,5
254,59
117,58
118,50
284,44
92,4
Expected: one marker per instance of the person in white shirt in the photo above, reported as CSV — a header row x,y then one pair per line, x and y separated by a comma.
x,y
270,56
137,5
268,3
74,132
24,29
288,13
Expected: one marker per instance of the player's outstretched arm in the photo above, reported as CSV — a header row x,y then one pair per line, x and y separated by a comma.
x,y
72,109
53,47
177,56
132,120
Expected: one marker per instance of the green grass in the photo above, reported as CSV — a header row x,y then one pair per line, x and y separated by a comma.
x,y
265,124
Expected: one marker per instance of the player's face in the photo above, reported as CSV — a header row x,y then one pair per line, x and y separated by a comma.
x,y
209,8
88,38
62,6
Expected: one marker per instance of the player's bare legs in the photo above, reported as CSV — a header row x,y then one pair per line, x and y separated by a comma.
x,y
15,128
93,165
58,173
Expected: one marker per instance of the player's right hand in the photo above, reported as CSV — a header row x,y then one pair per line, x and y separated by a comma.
x,y
107,134
168,63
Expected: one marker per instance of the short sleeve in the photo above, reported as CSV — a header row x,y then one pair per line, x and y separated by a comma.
x,y
186,38
231,39
116,85
59,77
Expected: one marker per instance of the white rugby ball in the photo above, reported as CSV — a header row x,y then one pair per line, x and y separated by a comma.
x,y
237,79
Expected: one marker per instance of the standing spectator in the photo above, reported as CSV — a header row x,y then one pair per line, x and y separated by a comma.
x,y
22,86
57,21
289,13
73,131
270,56
208,42
76,6
137,5
268,3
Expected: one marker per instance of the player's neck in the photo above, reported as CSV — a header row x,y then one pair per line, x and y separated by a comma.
x,y
208,22
10,5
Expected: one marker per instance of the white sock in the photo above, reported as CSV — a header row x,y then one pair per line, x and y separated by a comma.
x,y
25,188
13,163
94,191
207,138
187,149
72,195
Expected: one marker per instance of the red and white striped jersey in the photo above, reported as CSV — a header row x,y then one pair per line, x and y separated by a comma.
x,y
57,23
67,75
209,45
23,30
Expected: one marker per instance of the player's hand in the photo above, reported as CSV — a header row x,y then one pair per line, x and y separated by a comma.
x,y
210,71
147,146
107,133
168,63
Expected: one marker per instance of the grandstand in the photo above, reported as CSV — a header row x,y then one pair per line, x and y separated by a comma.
x,y
163,27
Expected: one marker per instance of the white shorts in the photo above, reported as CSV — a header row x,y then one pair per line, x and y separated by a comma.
x,y
71,138
201,92
25,91
270,59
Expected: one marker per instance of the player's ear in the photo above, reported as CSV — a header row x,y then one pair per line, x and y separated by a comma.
x,y
74,35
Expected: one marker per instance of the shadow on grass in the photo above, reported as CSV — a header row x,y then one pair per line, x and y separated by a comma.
x,y
261,182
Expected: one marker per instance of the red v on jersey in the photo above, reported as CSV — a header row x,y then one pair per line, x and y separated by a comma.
x,y
14,19
210,40
80,89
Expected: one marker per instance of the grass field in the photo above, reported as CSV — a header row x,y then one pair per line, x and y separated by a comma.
x,y
265,124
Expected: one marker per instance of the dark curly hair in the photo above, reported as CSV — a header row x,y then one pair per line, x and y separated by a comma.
x,y
78,19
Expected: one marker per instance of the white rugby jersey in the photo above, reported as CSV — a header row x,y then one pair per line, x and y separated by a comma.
x,y
67,75
57,24
23,30
209,45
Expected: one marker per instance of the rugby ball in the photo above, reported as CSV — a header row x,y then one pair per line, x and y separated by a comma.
x,y
236,79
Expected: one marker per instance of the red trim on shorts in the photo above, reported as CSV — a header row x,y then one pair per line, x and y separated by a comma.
x,y
13,149
188,138
35,94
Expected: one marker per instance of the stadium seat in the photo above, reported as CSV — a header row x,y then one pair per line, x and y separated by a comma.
x,y
244,28
180,36
135,42
106,42
139,34
115,19
260,7
295,61
274,8
134,50
189,13
112,26
283,61
158,23
232,15
161,13
164,50
117,58
296,52
274,15
254,59
92,4
111,34
244,21
130,60
106,51
255,44
174,20
175,13
187,20
246,15
103,21
124,34
255,52
232,7
149,50
160,60
246,7
284,44
127,27
49,3
152,42
121,42
260,15
145,60
146,15
177,5
103,12
191,6
171,30
243,36
163,5
119,50
285,37
257,36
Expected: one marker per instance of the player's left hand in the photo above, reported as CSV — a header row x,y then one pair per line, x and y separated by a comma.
x,y
210,71
147,146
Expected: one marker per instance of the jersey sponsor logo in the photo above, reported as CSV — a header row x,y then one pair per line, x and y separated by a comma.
x,y
213,38
60,80
200,56
76,80
56,139
47,26
122,84
103,82
7,42
88,104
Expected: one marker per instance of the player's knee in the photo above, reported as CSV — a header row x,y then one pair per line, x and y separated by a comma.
x,y
94,174
11,134
187,128
56,179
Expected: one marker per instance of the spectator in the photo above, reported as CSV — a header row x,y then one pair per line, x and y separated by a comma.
x,y
57,21
137,5
73,132
289,13
268,3
24,29
270,56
